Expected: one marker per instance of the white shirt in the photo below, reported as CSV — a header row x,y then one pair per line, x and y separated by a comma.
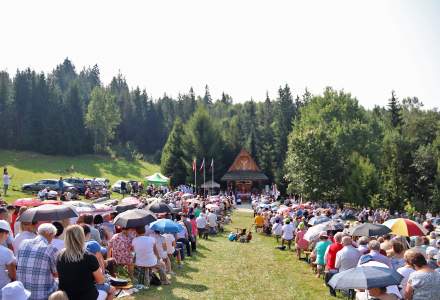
x,y
288,230
6,258
6,179
347,258
201,221
212,219
144,250
24,235
169,239
160,240
405,272
277,229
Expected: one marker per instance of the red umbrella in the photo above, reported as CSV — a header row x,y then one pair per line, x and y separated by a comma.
x,y
54,202
27,202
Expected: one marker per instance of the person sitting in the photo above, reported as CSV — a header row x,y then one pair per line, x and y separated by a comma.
x,y
380,293
119,247
424,283
27,233
374,247
78,270
7,258
36,263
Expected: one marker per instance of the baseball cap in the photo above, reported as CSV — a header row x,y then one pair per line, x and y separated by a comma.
x,y
4,225
15,290
94,247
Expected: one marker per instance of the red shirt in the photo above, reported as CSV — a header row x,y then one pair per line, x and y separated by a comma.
x,y
331,255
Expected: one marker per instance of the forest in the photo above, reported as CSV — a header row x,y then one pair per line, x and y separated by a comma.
x,y
326,147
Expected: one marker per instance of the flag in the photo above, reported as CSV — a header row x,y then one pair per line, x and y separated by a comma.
x,y
194,165
202,165
212,164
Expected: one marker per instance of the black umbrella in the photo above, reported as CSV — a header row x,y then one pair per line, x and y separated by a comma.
x,y
124,207
134,218
369,229
318,220
160,207
365,278
48,212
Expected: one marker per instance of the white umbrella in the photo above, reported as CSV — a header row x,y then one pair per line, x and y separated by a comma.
x,y
313,232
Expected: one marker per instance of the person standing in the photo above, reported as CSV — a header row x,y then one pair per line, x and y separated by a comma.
x,y
288,229
6,181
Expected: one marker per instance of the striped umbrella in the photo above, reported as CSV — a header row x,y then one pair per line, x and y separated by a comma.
x,y
405,227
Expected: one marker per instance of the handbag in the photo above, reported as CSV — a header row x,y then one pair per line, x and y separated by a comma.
x,y
118,281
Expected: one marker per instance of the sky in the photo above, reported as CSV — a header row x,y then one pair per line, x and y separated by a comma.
x,y
244,48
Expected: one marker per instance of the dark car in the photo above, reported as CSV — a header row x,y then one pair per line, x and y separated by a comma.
x,y
50,183
78,183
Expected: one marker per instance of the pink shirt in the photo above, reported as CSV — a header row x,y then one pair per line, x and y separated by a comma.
x,y
194,227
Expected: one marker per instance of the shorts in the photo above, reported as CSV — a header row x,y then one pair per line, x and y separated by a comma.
x,y
103,287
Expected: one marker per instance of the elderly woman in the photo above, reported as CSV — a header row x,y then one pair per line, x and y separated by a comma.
x,y
424,283
78,270
119,247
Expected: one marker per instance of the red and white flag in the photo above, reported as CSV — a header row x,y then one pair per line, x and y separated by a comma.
x,y
202,165
194,165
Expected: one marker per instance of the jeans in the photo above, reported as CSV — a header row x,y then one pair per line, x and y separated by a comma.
x,y
187,245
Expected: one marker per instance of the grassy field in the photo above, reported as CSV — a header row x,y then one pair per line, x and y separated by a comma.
x,y
27,167
229,270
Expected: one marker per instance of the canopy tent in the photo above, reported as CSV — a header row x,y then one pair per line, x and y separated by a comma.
x,y
210,185
157,179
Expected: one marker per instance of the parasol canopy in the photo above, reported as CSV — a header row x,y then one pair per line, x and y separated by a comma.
x,y
157,179
405,227
166,226
134,218
28,202
48,212
369,229
365,278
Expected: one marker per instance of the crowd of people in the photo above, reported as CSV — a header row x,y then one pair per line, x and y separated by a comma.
x,y
335,250
83,257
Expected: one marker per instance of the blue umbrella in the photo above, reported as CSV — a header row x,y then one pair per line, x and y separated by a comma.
x,y
166,226
365,278
318,220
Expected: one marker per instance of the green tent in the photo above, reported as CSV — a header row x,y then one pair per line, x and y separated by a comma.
x,y
157,179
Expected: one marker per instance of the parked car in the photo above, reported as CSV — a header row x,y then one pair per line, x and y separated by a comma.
x,y
116,187
50,183
78,183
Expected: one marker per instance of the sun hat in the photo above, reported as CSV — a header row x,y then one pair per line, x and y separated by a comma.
x,y
15,290
323,234
94,247
4,225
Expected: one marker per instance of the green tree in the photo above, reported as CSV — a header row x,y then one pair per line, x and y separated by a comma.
x,y
172,161
395,110
102,117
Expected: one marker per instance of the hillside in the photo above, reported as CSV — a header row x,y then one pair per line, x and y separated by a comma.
x,y
27,167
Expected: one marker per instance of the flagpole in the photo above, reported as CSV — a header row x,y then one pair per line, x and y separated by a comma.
x,y
204,181
195,176
212,177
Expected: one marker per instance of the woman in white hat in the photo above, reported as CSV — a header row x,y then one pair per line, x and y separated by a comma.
x,y
7,258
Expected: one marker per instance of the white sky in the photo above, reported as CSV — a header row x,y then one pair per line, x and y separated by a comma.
x,y
241,47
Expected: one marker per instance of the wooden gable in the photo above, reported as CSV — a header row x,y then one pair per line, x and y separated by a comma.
x,y
244,162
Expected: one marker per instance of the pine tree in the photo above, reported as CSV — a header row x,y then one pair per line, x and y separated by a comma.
x,y
172,160
207,100
395,111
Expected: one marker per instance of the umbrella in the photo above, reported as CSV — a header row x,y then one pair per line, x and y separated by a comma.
x,y
318,220
365,278
124,207
54,202
264,205
48,212
166,226
368,229
134,218
160,207
313,232
405,227
212,206
130,200
335,225
27,202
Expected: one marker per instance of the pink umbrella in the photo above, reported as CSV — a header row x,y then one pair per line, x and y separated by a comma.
x,y
27,202
130,201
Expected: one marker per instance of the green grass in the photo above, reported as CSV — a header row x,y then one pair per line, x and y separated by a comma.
x,y
27,167
230,270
